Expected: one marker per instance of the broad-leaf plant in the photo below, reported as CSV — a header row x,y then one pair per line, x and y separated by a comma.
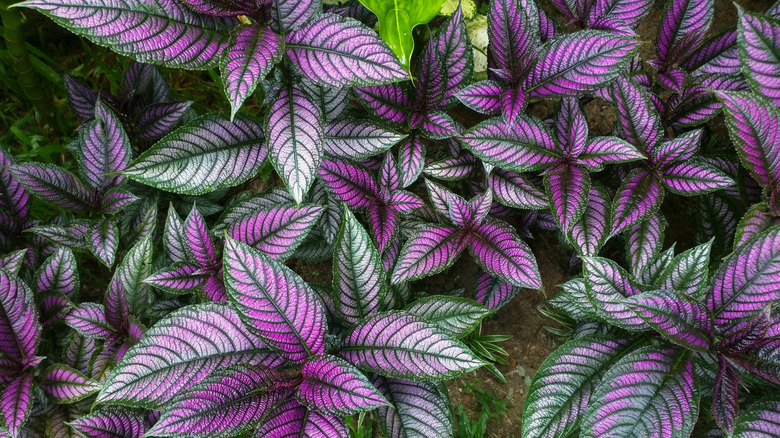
x,y
164,297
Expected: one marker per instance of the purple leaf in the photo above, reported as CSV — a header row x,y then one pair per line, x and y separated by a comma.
x,y
432,78
291,420
289,14
295,137
252,53
589,233
567,189
199,246
337,51
608,285
207,154
746,280
512,102
66,385
483,97
638,198
638,120
397,344
759,420
725,397
571,128
677,318
103,240
514,190
688,272
55,185
644,240
599,151
358,276
111,423
682,148
439,125
389,102
648,392
564,384
159,119
411,160
682,28
351,183
224,8
389,177
432,249
19,327
103,148
492,292
89,320
453,45
179,278
753,222
500,252
58,273
694,178
711,49
226,403
164,32
81,99
278,231
333,386
355,139
115,200
526,145
571,65
13,261
179,352
630,12
13,197
16,401
456,316
513,31
753,126
672,79
277,304
419,409
174,237
214,289
452,168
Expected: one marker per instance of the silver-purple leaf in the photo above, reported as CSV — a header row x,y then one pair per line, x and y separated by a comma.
x,y
356,139
688,272
526,145
644,240
275,302
500,252
760,420
454,47
103,149
179,278
638,120
130,274
514,190
199,246
19,327
89,320
682,28
608,285
638,198
252,52
397,344
66,385
289,14
55,185
112,423
337,51
351,183
103,240
483,97
604,150
573,64
567,189
677,318
411,160
694,178
295,139
759,46
78,352
16,402
277,231
431,250
649,392
513,30
564,383
492,292
58,273
359,282
207,154
419,409
226,403
335,387
589,233
198,340
292,420
174,238
390,101
162,31
159,119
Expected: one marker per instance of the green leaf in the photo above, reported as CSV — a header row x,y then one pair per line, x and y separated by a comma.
x,y
397,19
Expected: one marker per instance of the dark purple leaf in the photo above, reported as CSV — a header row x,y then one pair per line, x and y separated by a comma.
x,y
278,231
55,185
16,400
682,28
333,101
492,292
224,8
164,32
526,145
179,352
397,344
630,12
725,397
252,53
337,51
111,423
333,386
439,125
207,154
159,119
295,137
351,183
453,45
275,302
648,392
513,30
81,99
571,65
19,327
199,246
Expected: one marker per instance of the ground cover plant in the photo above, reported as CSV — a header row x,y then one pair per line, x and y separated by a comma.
x,y
383,139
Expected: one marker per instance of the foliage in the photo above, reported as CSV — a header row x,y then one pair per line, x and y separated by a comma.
x,y
162,299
